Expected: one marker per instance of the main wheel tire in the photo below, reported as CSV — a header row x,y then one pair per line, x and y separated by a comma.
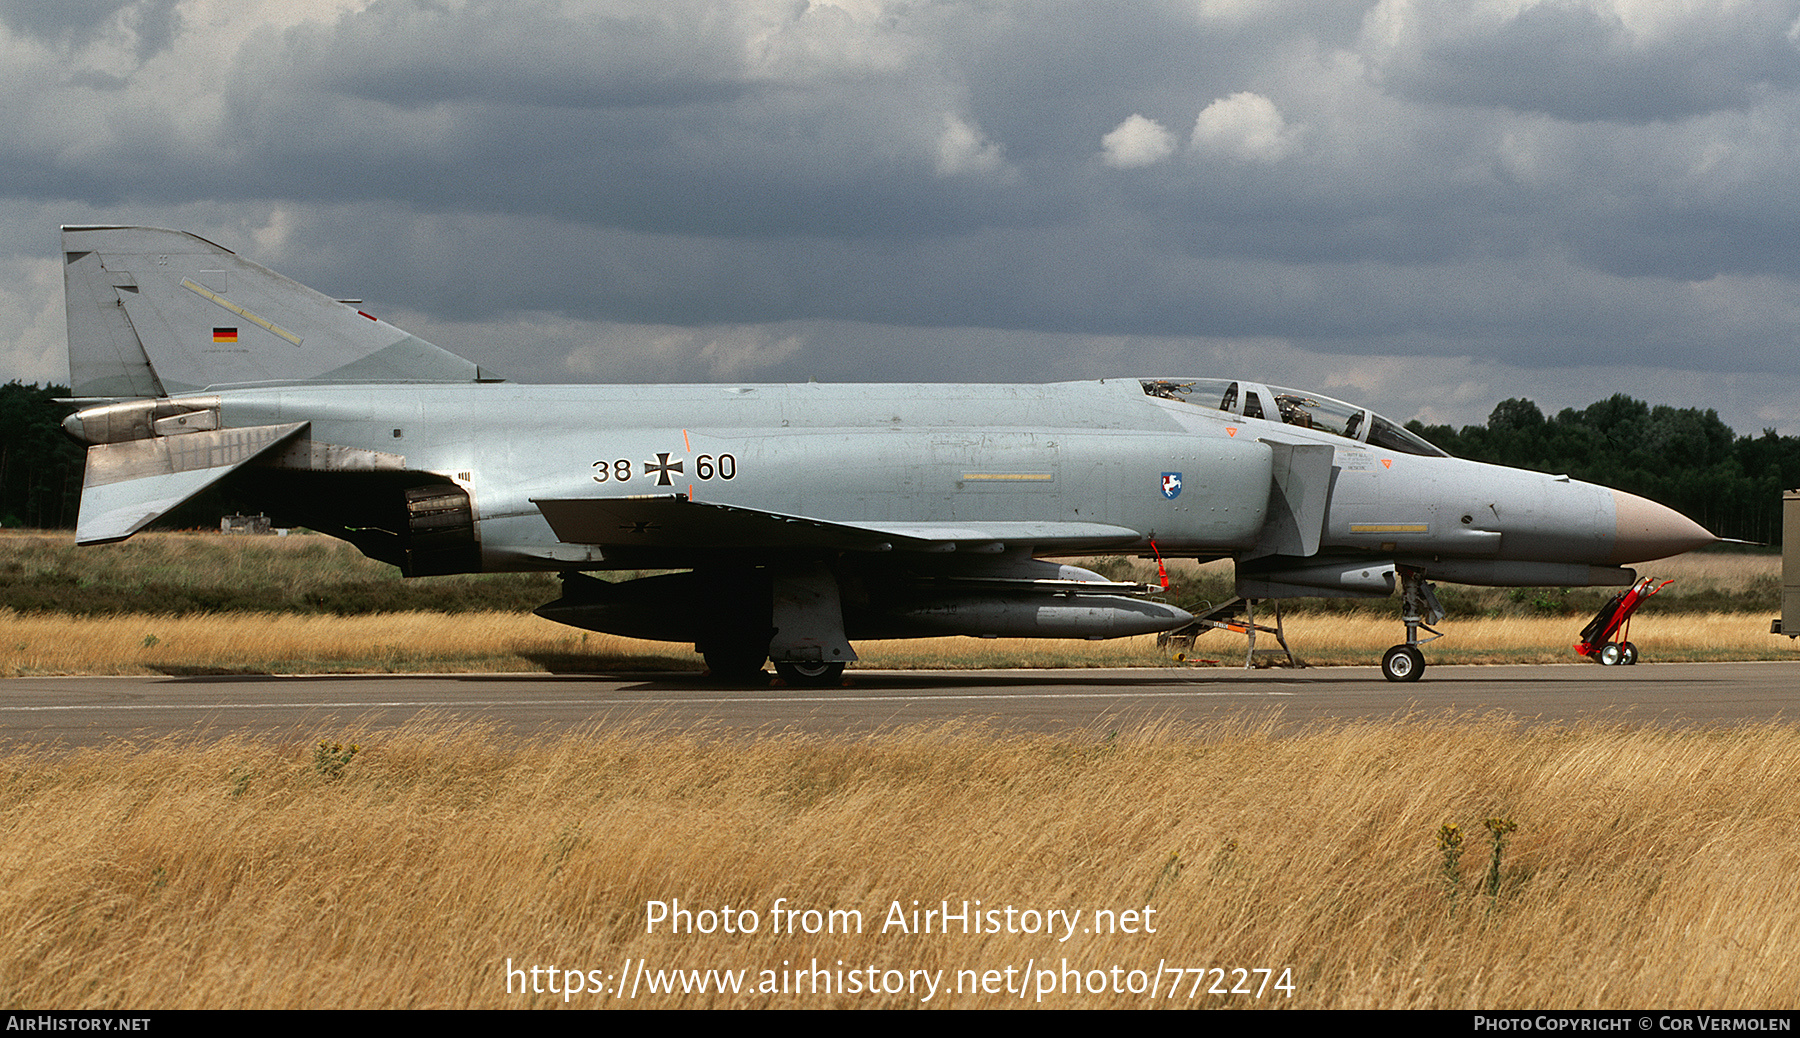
x,y
735,663
1611,654
1403,663
811,675
1627,654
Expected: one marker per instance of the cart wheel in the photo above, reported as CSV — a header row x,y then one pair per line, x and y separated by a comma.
x,y
1403,663
1627,654
1610,654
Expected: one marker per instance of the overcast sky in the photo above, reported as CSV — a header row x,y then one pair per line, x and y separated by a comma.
x,y
1424,206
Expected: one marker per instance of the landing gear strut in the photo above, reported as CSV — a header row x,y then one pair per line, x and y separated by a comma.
x,y
1419,609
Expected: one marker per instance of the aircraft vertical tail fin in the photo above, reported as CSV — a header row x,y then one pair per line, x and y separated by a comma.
x,y
155,313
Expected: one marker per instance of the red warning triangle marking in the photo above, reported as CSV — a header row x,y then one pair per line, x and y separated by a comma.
x,y
1387,463
1231,430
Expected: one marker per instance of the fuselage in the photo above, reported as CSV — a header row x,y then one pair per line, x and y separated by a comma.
x,y
1191,480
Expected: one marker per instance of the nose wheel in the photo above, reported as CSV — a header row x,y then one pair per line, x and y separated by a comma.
x,y
1403,663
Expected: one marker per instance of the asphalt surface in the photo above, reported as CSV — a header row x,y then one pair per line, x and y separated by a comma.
x,y
94,711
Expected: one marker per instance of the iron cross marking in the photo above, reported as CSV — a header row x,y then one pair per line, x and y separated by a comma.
x,y
662,468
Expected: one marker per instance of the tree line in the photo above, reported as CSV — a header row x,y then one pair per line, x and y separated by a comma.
x,y
1685,458
40,467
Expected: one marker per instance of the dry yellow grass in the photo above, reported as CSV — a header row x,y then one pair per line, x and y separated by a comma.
x,y
284,643
1719,569
250,643
1649,867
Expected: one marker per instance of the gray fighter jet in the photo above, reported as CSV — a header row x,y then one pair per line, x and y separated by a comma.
x,y
799,518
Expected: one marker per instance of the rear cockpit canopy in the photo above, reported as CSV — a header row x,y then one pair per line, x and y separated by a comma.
x,y
1293,407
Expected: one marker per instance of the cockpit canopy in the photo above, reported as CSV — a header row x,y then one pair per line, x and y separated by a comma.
x,y
1293,407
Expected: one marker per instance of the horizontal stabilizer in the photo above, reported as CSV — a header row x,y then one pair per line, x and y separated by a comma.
x,y
130,484
675,521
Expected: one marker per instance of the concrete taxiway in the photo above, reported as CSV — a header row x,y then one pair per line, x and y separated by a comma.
x,y
92,711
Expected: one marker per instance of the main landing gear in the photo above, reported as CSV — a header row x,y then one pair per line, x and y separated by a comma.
x,y
1419,609
790,614
740,662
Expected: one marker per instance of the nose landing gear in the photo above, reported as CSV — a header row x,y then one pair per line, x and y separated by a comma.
x,y
1419,609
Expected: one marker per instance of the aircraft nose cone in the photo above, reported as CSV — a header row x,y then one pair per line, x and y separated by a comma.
x,y
1647,530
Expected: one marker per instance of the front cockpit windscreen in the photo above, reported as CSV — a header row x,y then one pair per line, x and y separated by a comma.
x,y
1296,408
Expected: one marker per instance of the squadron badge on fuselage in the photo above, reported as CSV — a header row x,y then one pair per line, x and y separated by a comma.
x,y
1171,485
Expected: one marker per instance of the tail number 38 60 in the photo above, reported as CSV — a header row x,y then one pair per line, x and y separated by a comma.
x,y
706,466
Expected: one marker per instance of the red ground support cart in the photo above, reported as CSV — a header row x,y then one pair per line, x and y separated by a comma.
x,y
1605,638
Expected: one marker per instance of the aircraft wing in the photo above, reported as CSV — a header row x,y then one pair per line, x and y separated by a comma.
x,y
673,521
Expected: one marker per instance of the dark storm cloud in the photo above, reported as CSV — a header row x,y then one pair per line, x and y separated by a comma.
x,y
699,169
150,24
1085,280
922,190
680,120
525,55
1584,62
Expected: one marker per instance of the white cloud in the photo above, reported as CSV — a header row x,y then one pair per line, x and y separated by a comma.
x,y
963,148
1137,142
1245,126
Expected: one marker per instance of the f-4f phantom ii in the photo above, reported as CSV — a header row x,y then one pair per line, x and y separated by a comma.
x,y
798,518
